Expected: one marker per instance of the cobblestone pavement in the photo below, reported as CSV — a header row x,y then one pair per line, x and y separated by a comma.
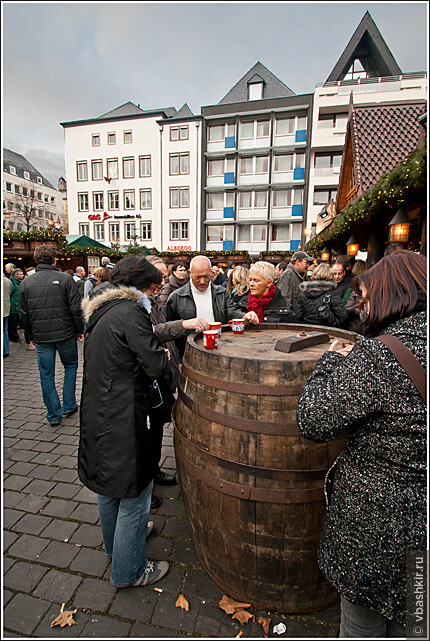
x,y
53,551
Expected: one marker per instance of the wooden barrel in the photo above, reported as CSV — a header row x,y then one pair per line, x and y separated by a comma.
x,y
251,484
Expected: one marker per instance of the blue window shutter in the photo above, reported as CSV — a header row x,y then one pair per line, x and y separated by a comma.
x,y
301,135
228,212
227,245
229,177
299,173
294,245
230,142
297,210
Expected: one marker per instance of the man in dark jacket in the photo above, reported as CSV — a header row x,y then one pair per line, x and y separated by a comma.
x,y
50,313
292,277
201,298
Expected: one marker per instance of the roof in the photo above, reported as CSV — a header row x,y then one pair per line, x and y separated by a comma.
x,y
273,87
368,46
22,164
124,112
80,240
184,112
382,136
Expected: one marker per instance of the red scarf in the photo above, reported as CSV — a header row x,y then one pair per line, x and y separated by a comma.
x,y
259,304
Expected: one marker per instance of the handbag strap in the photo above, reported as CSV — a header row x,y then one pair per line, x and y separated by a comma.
x,y
408,361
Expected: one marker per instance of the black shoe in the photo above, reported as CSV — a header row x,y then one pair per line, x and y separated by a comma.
x,y
5,355
54,424
162,478
155,502
72,412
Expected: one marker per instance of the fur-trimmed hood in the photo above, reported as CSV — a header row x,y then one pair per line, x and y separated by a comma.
x,y
90,305
314,288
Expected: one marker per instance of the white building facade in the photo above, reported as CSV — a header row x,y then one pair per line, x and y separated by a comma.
x,y
30,202
132,177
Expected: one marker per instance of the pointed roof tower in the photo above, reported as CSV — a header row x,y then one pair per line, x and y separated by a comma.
x,y
273,87
367,52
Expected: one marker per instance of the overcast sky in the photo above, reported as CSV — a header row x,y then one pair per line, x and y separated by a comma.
x,y
75,60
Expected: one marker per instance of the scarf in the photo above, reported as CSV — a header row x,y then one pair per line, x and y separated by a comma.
x,y
144,299
259,304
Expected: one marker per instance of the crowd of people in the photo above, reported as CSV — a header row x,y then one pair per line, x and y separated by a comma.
x,y
134,317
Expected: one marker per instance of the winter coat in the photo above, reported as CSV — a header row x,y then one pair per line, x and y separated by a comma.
x,y
98,289
14,295
7,287
118,449
277,311
344,285
50,306
288,284
354,323
376,509
172,285
236,298
167,332
312,295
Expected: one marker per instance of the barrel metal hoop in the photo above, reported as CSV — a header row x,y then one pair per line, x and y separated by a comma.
x,y
243,468
238,422
242,388
247,493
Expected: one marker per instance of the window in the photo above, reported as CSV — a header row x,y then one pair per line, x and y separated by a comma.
x,y
130,230
285,126
247,130
26,175
145,231
84,228
39,195
179,197
245,199
128,167
47,215
12,170
244,233
81,170
261,165
145,199
215,133
246,166
99,231
280,232
52,200
283,163
255,91
282,198
179,164
83,201
127,136
129,199
330,121
179,133
144,166
46,198
300,161
17,190
259,233
8,186
302,123
97,200
32,193
323,196
260,199
219,233
298,197
113,200
215,201
97,169
39,180
262,128
25,191
112,168
179,230
95,140
215,167
111,138
325,163
114,232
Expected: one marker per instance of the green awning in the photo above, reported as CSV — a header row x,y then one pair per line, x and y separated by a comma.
x,y
80,240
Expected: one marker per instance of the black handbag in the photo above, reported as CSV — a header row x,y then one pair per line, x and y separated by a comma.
x,y
323,311
160,400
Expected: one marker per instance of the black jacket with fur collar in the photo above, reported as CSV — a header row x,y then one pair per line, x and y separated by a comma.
x,y
316,293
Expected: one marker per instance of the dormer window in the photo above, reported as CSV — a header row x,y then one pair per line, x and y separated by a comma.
x,y
255,91
12,170
39,180
26,175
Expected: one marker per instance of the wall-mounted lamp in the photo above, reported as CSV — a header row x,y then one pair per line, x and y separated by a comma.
x,y
325,255
399,227
352,246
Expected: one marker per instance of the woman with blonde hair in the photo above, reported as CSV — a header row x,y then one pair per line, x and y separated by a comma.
x,y
238,283
318,302
264,297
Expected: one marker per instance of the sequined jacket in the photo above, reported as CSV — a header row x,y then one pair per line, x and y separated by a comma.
x,y
376,491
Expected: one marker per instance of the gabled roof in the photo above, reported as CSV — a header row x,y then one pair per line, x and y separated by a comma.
x,y
368,46
184,112
22,164
381,137
273,87
81,240
127,109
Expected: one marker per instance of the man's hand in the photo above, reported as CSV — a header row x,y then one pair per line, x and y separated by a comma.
x,y
80,337
251,317
200,324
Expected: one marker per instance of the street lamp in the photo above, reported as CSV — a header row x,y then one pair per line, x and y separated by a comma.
x,y
325,255
352,246
399,227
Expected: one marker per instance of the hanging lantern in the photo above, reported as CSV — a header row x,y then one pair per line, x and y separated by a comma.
x,y
352,246
325,255
399,227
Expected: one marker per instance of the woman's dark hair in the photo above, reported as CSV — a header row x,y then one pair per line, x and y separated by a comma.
x,y
135,272
102,273
176,265
396,287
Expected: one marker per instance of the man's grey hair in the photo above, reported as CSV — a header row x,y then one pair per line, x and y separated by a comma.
x,y
195,257
18,270
154,260
105,260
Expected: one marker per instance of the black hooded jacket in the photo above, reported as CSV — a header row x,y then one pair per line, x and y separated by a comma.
x,y
314,294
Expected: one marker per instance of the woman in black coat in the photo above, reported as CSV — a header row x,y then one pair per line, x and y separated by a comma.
x,y
264,298
120,440
376,491
319,302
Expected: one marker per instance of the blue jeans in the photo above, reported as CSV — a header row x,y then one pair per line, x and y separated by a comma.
x,y
356,621
124,523
5,336
46,352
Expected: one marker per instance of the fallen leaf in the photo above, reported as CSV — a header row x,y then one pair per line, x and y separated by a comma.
x,y
239,635
64,618
181,602
243,616
265,624
230,606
